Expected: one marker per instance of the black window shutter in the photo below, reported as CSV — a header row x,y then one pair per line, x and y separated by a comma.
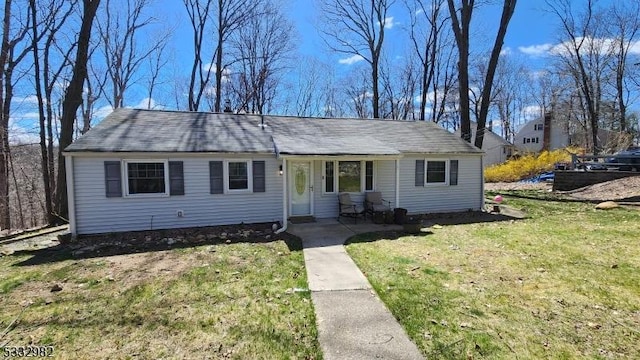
x,y
216,177
453,172
112,179
176,178
259,176
419,172
368,176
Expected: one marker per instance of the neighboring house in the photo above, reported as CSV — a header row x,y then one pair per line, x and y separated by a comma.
x,y
496,149
551,134
146,169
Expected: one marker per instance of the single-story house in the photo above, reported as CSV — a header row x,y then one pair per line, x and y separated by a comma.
x,y
496,149
150,169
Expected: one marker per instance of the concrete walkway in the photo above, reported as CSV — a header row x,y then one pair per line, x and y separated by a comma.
x,y
352,321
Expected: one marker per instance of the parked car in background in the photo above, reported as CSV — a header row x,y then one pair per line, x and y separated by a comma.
x,y
628,160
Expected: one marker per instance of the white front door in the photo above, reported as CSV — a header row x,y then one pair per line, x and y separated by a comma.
x,y
300,188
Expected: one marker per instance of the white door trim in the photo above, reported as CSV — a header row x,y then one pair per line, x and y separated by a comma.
x,y
290,167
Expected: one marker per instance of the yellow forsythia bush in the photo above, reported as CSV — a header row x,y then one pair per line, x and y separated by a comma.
x,y
526,166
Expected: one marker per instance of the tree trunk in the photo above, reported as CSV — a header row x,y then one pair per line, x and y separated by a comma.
x,y
72,100
5,218
41,117
219,68
375,100
461,32
507,11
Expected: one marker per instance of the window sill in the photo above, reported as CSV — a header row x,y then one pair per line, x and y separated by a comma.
x,y
239,191
146,196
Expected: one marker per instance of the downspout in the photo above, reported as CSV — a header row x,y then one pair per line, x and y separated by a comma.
x,y
397,183
284,198
482,199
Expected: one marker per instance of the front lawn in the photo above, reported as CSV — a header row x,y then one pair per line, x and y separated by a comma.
x,y
241,300
564,283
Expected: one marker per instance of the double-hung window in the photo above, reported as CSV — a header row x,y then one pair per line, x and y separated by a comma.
x,y
436,172
146,177
348,176
139,178
238,175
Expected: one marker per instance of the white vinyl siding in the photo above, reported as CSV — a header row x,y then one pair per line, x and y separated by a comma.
x,y
442,198
95,213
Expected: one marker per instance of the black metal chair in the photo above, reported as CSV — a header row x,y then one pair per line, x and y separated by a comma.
x,y
346,207
374,203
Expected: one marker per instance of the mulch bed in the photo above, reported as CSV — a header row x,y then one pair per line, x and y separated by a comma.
x,y
158,240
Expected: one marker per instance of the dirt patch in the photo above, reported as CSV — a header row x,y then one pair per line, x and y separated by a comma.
x,y
621,190
625,189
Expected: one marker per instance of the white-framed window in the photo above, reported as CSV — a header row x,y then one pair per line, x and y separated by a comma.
x,y
436,172
352,176
238,176
146,177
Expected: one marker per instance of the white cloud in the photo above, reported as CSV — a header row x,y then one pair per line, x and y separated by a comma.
x,y
209,67
102,112
506,51
536,50
30,99
531,112
19,133
148,103
363,96
351,60
589,44
388,22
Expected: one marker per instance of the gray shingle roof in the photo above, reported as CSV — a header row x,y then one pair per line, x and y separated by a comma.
x,y
132,130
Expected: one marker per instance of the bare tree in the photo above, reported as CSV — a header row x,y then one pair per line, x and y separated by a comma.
x,y
461,28
625,22
585,55
356,87
73,100
54,15
262,48
15,47
399,84
357,28
198,11
430,37
156,62
305,93
120,28
231,15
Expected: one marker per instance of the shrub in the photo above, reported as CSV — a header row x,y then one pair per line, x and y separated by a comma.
x,y
526,166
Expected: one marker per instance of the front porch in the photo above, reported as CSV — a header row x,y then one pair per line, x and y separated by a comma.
x,y
311,184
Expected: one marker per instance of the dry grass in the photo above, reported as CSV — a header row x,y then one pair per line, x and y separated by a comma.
x,y
220,301
561,284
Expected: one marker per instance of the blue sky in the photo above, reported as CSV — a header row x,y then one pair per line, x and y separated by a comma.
x,y
532,32
529,27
